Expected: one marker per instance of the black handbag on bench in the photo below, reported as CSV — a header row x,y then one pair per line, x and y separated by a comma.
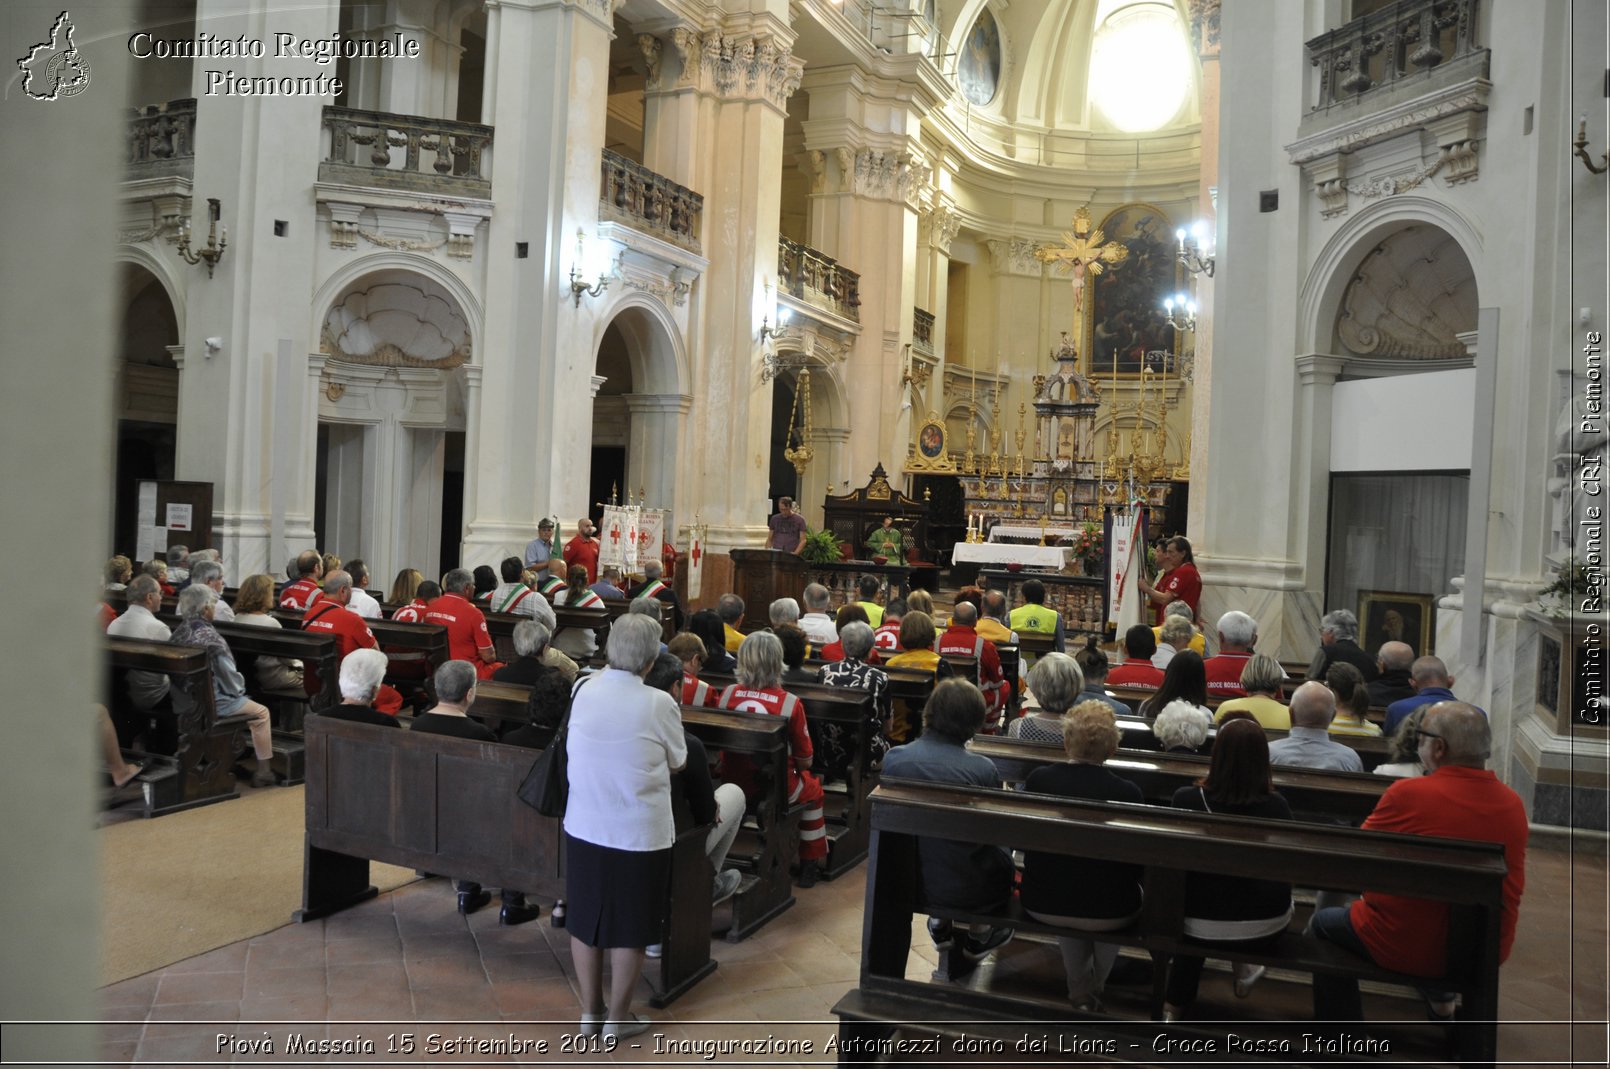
x,y
546,787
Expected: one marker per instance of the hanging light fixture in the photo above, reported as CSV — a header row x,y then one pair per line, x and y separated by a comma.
x,y
800,456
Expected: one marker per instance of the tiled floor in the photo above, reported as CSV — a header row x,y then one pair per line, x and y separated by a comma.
x,y
407,963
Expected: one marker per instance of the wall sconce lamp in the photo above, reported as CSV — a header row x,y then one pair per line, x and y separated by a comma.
x,y
578,282
217,239
781,330
1196,255
1580,145
1185,319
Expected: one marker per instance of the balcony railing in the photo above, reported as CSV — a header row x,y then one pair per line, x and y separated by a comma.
x,y
922,331
1391,44
373,148
635,196
162,140
818,279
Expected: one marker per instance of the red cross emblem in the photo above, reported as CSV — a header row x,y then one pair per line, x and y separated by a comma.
x,y
615,533
696,553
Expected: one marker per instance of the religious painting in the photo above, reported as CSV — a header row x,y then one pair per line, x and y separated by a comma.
x,y
1387,616
931,440
1130,328
978,70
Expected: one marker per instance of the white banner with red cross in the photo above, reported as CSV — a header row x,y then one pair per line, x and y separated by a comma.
x,y
650,537
618,538
695,561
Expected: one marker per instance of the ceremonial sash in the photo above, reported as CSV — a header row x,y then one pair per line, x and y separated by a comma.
x,y
516,597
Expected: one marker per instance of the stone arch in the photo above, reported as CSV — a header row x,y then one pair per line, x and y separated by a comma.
x,y
654,344
160,269
654,410
382,265
1324,290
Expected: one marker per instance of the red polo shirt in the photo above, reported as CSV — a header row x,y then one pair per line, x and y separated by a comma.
x,y
886,638
583,551
1182,584
1224,674
1135,674
300,595
467,635
326,617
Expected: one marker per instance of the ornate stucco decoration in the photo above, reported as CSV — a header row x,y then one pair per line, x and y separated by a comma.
x,y
1410,298
393,324
1205,26
1014,256
653,50
740,66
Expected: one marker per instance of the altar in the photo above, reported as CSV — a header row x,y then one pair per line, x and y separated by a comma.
x,y
1046,558
1006,532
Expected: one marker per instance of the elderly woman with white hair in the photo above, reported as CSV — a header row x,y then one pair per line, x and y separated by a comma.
x,y
624,741
853,671
760,690
228,685
1055,683
361,673
1182,727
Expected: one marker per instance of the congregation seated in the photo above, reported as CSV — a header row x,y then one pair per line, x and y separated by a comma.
x,y
550,683
848,614
228,686
1308,744
308,570
119,570
178,561
210,574
867,589
1352,702
1085,894
518,594
411,605
360,676
1261,681
1393,660
1338,641
1185,680
468,639
1403,758
1432,684
254,607
362,603
956,876
1182,608
329,614
992,623
916,640
1092,660
886,635
961,639
1056,682
820,628
485,581
759,689
158,570
455,684
1137,669
1035,617
795,649
853,670
1238,634
611,585
654,586
1173,635
707,625
146,690
688,649
1181,727
556,574
730,607
1222,911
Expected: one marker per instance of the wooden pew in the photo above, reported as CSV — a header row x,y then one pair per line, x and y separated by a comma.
x,y
1372,749
206,745
1169,844
767,888
447,805
1314,794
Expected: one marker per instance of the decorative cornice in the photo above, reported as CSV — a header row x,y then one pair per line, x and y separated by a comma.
x,y
1423,111
1319,369
738,66
1015,256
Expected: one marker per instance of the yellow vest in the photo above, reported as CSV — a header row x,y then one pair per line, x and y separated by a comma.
x,y
1035,618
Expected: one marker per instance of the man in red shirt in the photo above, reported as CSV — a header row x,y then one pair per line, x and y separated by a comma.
x,y
1238,633
329,615
886,637
1457,798
300,595
467,636
1137,669
583,549
1179,580
962,640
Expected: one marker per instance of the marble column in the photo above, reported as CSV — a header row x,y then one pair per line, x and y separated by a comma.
x,y
547,75
237,410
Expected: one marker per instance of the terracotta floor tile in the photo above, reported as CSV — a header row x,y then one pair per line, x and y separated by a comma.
x,y
365,950
288,955
304,1006
380,980
349,924
136,991
522,966
285,983
231,958
460,971
439,945
200,987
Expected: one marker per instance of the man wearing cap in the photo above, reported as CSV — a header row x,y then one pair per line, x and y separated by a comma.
x,y
540,548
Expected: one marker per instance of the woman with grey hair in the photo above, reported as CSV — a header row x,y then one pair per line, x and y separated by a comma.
x,y
361,673
228,685
1173,637
623,742
760,690
1182,727
833,758
1338,641
1055,682
1403,758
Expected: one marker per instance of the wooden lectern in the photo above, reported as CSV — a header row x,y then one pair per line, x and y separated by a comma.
x,y
761,576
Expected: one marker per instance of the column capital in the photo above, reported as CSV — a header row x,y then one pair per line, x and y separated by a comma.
x,y
176,354
1319,369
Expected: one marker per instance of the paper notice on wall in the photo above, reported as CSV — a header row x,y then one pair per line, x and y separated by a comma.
x,y
179,517
150,542
146,514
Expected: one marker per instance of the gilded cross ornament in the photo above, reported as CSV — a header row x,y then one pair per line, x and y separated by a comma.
x,y
1083,252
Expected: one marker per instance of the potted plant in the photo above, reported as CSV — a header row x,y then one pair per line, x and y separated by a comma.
x,y
820,547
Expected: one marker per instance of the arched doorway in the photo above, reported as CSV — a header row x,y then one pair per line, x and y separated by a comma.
x,y
826,432
639,410
389,480
146,401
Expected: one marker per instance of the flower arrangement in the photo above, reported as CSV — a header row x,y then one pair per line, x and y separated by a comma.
x,y
1089,545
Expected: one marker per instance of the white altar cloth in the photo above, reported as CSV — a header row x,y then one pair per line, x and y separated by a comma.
x,y
1003,531
1053,557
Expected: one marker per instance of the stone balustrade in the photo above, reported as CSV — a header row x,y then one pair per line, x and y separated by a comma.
x,y
818,279
162,140
1399,41
408,152
635,196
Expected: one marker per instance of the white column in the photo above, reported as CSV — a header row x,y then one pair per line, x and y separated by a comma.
x,y
654,446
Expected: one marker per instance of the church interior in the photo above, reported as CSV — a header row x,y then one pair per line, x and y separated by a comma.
x,y
1320,284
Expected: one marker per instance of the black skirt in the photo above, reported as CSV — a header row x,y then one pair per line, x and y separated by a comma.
x,y
615,898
